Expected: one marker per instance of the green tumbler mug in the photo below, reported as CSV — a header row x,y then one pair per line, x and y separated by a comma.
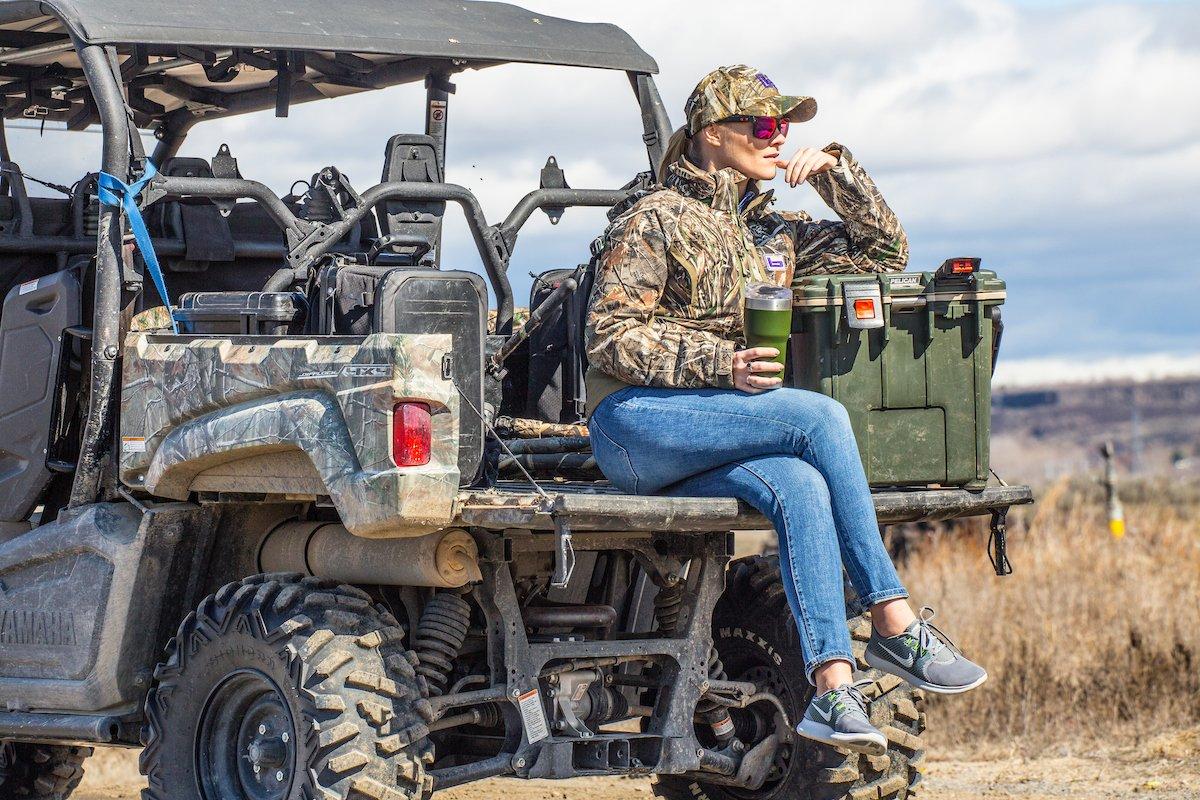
x,y
769,319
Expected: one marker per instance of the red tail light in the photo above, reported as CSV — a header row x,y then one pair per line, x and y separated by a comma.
x,y
959,266
412,433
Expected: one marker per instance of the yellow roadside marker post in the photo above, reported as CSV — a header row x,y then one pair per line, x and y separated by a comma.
x,y
1116,514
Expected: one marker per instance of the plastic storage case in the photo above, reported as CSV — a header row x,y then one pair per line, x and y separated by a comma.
x,y
915,377
357,299
246,313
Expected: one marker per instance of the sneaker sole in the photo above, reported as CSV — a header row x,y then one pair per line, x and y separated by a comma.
x,y
872,745
893,668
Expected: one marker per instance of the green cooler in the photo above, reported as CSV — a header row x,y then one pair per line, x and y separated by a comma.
x,y
910,355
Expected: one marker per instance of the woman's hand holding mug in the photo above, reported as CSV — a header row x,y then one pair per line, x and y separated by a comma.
x,y
753,376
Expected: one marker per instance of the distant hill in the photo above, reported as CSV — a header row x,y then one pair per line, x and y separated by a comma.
x,y
1044,428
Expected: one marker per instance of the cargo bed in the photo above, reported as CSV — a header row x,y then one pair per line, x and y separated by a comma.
x,y
589,506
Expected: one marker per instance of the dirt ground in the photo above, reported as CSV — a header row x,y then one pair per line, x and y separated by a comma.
x,y
1170,774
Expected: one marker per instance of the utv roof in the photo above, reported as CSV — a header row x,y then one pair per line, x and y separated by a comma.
x,y
454,29
199,59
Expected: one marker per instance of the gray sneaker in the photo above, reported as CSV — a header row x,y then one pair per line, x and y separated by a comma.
x,y
839,718
925,657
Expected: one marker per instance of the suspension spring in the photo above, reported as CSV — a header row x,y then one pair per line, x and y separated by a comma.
x,y
668,604
716,667
715,715
668,607
438,638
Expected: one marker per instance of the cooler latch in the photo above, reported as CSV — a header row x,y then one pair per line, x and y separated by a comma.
x,y
864,304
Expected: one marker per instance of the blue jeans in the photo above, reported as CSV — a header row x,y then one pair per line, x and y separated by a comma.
x,y
789,453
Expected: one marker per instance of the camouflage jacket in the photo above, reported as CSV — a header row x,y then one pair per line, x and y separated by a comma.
x,y
666,308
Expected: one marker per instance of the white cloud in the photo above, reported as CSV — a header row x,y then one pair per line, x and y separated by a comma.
x,y
1096,104
1037,130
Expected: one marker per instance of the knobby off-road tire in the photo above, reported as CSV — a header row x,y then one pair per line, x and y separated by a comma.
x,y
40,771
303,678
757,640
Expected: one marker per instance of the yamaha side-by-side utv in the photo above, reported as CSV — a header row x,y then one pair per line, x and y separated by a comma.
x,y
284,505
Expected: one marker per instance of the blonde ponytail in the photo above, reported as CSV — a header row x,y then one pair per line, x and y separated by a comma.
x,y
677,146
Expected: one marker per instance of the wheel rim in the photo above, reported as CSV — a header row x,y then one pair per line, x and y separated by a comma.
x,y
768,679
247,738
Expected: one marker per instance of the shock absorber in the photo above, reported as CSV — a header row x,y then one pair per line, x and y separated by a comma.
x,y
438,638
667,607
711,713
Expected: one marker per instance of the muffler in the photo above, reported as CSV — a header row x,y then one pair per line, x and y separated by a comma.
x,y
446,559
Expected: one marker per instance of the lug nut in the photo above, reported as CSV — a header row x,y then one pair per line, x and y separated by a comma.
x,y
279,776
262,730
285,736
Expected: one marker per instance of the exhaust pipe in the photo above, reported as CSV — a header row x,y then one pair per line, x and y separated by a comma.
x,y
446,560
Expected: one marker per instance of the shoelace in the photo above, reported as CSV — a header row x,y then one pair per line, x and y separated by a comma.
x,y
853,694
929,638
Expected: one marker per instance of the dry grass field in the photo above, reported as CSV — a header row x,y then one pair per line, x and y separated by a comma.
x,y
1093,646
1092,640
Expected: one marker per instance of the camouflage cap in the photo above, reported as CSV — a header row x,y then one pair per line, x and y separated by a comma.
x,y
729,91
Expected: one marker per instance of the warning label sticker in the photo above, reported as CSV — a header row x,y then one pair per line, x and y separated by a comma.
x,y
27,287
533,716
133,444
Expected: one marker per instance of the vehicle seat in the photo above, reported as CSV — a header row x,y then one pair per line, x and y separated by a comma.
x,y
412,158
197,221
557,355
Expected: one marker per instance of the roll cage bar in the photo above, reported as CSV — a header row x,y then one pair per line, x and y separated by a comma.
x,y
305,241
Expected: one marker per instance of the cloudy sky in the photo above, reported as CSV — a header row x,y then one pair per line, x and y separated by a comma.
x,y
1058,140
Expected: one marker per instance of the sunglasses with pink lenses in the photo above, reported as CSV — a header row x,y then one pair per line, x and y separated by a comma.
x,y
762,127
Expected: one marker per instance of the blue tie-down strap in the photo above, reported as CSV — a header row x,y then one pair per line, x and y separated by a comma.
x,y
113,192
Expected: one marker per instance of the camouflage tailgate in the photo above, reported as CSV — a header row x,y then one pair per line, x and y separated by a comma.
x,y
191,404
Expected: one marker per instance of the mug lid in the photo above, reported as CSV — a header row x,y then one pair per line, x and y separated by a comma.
x,y
768,297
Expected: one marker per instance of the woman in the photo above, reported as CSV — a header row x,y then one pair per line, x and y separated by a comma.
x,y
678,408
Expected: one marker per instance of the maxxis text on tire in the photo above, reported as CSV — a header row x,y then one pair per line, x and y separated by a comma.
x,y
757,639
30,771
279,686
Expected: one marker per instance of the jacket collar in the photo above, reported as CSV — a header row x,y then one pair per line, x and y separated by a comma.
x,y
720,189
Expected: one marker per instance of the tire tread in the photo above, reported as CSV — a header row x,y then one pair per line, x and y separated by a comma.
x,y
343,652
754,591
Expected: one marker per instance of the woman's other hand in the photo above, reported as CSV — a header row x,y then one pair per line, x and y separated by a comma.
x,y
753,376
806,162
